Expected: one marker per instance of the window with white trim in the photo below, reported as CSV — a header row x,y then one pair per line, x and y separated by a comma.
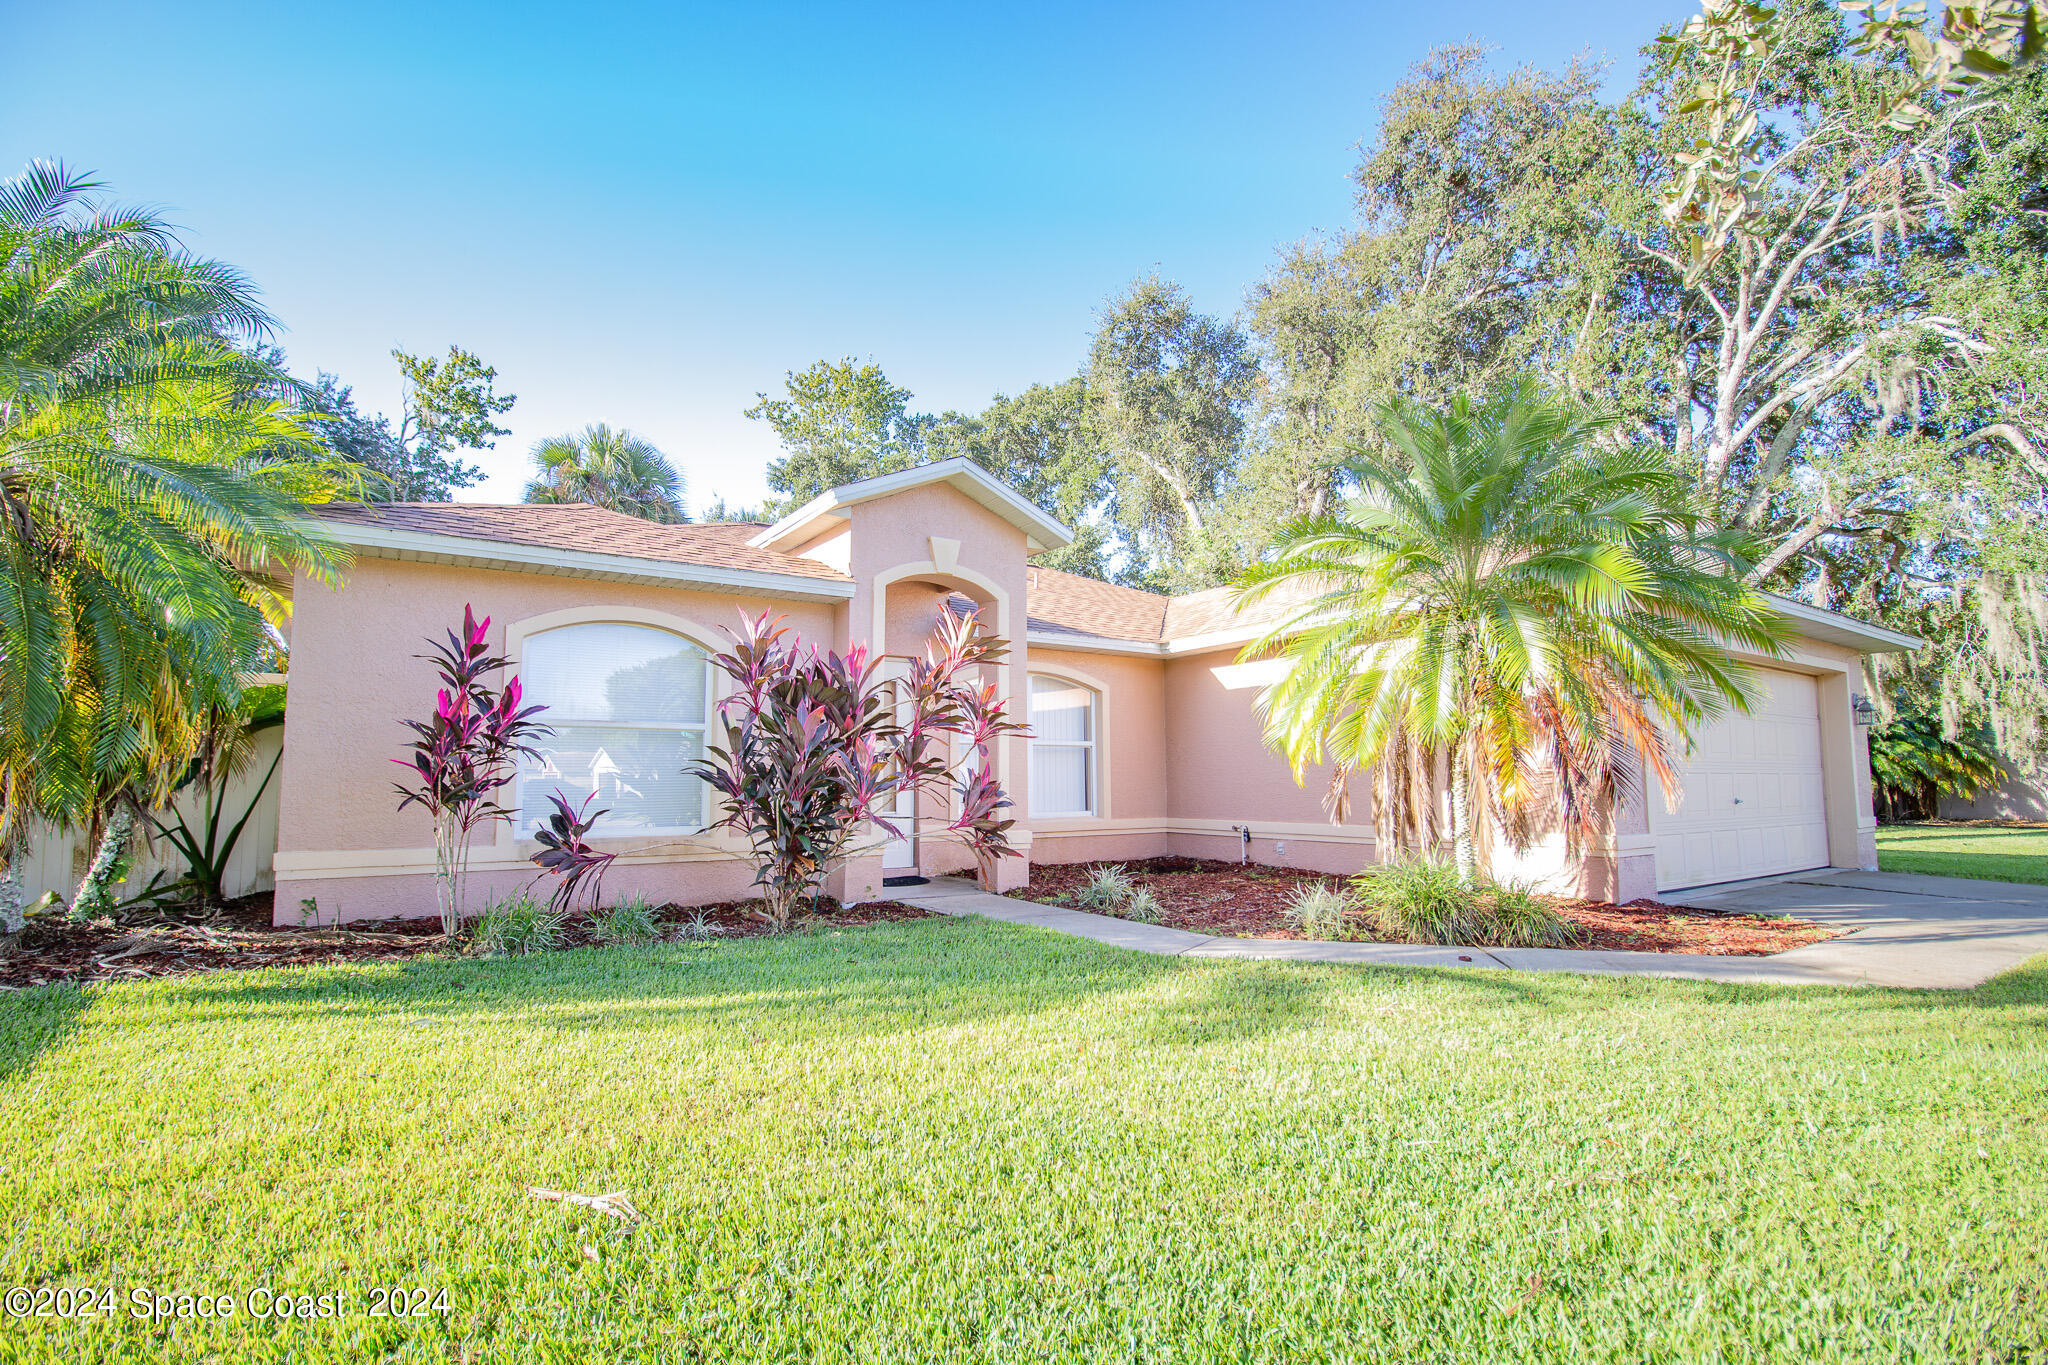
x,y
629,705
1063,728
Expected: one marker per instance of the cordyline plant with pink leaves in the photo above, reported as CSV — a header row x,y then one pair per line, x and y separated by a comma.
x,y
463,757
814,755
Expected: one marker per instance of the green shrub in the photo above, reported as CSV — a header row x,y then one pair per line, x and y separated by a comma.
x,y
1318,910
1422,900
517,925
1142,905
1518,917
629,924
1108,888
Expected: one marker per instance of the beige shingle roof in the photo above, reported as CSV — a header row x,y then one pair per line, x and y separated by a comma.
x,y
579,526
1057,601
1064,602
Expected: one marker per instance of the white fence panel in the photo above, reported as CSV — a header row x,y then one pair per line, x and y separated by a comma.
x,y
56,858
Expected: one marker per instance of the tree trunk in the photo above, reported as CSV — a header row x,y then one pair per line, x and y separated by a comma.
x,y
96,893
1463,846
13,905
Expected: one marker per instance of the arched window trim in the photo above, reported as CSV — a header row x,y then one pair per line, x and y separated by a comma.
x,y
521,638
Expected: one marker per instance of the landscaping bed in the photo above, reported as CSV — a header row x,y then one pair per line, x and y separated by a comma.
x,y
1239,900
240,937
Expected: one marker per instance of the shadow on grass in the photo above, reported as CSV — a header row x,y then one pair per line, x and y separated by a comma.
x,y
927,975
885,979
35,1021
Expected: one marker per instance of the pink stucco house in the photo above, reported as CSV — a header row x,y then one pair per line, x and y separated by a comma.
x,y
1146,740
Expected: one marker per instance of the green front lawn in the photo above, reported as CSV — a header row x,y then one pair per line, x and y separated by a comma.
x,y
1983,851
962,1141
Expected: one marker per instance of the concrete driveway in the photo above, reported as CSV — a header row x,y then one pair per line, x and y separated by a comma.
x,y
1910,930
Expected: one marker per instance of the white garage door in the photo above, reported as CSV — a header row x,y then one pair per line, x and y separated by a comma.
x,y
1752,803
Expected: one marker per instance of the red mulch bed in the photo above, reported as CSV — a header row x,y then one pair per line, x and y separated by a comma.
x,y
1238,900
240,937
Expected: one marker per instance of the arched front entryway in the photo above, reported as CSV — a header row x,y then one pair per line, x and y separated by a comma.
x,y
908,602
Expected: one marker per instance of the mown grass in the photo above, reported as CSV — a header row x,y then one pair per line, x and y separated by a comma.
x,y
962,1141
1987,852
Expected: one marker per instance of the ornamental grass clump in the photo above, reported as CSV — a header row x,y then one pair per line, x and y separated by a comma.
x,y
1515,915
1318,910
1428,900
1142,905
1422,900
517,925
1106,888
629,924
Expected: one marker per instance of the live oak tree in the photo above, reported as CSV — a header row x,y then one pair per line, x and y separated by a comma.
x,y
1173,391
450,405
1043,442
1815,283
1856,224
842,421
839,422
1477,258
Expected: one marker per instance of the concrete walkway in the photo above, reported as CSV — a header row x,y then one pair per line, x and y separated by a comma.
x,y
1909,931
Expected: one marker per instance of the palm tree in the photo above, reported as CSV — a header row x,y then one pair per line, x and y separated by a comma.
x,y
1913,764
1510,598
152,498
608,468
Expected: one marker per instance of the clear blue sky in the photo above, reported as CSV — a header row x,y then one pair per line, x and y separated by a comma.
x,y
645,214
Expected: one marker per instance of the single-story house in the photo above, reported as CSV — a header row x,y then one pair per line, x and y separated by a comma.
x,y
1147,740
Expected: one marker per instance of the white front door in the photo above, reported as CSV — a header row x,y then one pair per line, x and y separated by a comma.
x,y
900,854
1752,802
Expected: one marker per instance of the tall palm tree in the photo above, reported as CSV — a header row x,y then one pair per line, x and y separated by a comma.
x,y
152,499
608,468
1515,600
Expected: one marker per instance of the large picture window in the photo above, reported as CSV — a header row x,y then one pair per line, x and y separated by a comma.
x,y
628,705
1063,724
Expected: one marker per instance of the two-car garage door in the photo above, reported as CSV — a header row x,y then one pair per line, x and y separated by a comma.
x,y
1753,797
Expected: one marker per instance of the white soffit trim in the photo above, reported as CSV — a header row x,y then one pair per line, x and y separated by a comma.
x,y
1091,644
1041,532
1816,623
380,542
1109,644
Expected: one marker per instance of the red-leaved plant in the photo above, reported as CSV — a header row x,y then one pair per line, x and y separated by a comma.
x,y
463,756
567,853
813,753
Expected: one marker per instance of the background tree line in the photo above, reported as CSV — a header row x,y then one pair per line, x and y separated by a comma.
x,y
1806,259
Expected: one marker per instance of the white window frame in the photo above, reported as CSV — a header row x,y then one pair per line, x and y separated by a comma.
x,y
555,715
1090,745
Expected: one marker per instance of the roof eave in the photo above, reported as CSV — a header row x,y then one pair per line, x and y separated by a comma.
x,y
1092,644
383,542
1831,627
